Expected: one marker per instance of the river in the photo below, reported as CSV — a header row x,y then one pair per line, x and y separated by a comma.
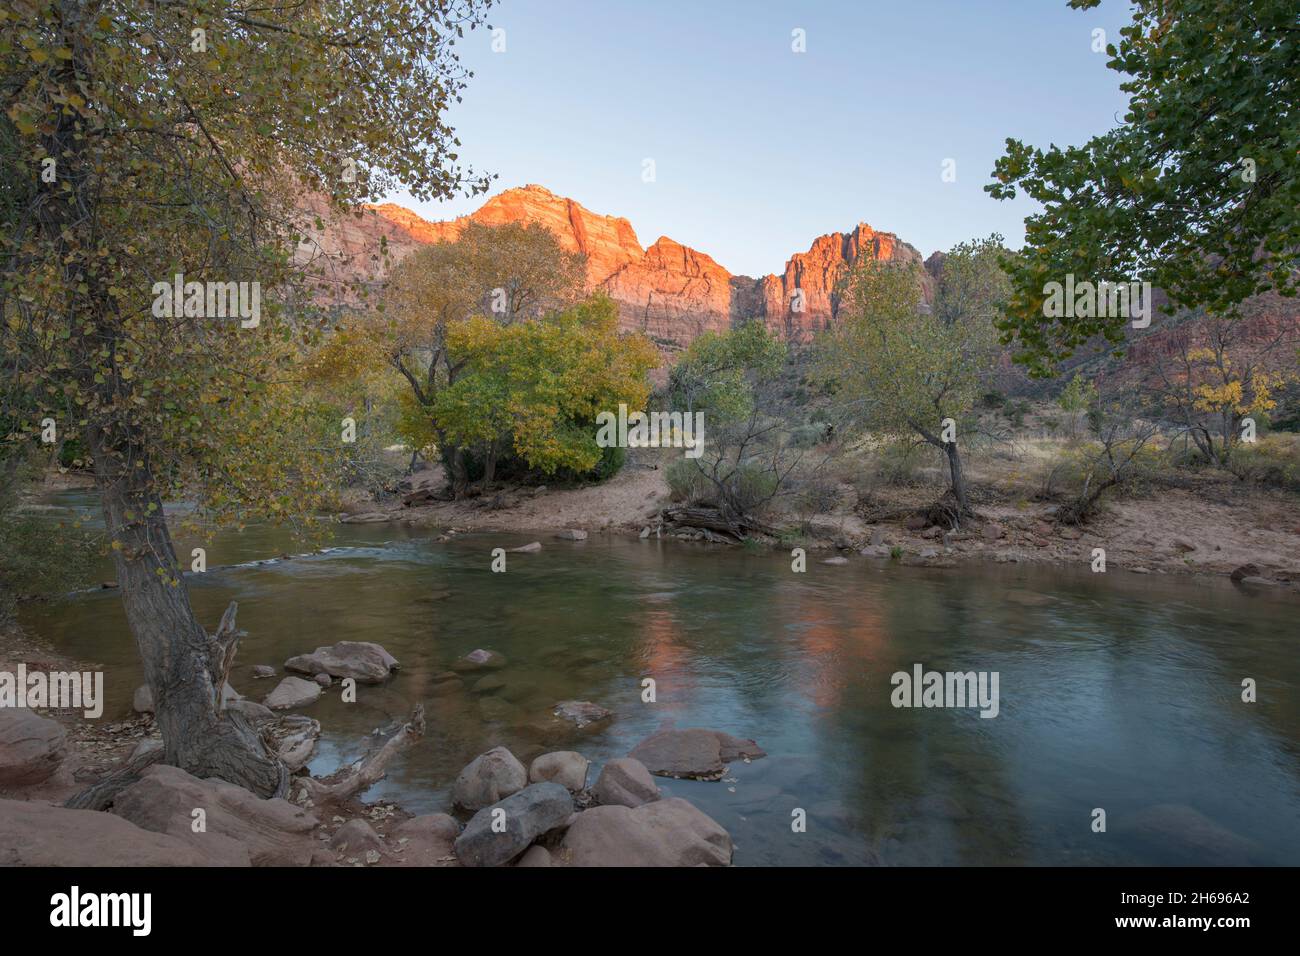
x,y
1116,691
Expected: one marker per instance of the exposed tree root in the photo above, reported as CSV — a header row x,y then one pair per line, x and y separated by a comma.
x,y
371,770
100,796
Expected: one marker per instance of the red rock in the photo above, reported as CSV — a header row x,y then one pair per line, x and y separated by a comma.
x,y
671,292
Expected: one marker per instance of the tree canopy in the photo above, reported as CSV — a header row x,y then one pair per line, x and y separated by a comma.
x,y
1196,191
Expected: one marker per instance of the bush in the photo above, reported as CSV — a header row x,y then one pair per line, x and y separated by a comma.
x,y
749,486
1273,461
807,436
686,482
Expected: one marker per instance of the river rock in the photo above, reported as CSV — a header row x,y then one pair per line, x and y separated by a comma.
x,y
488,684
356,837
836,559
1260,582
292,692
36,834
271,832
1246,571
1188,836
323,679
529,548
571,534
364,661
488,778
535,856
625,782
368,517
528,814
565,767
31,747
581,712
668,832
695,752
261,671
498,709
293,738
251,710
480,660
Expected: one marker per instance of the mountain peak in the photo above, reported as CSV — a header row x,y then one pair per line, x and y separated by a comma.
x,y
669,290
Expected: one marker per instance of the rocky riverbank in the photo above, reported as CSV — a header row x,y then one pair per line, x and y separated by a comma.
x,y
554,812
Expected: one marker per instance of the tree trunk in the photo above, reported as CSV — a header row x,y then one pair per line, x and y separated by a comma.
x,y
956,476
184,667
459,473
490,464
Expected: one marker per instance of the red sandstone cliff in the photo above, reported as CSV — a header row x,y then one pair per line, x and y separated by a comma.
x,y
670,291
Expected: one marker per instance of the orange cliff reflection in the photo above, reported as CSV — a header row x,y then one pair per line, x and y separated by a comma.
x,y
821,646
663,652
838,641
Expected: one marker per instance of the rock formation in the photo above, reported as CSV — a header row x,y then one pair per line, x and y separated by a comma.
x,y
669,291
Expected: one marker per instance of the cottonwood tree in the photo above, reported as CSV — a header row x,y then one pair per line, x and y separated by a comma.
x,y
143,140
905,370
509,273
1196,191
534,389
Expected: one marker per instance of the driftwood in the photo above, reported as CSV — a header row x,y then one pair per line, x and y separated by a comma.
x,y
713,519
221,654
371,770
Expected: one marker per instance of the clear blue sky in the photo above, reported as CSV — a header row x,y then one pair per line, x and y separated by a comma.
x,y
757,149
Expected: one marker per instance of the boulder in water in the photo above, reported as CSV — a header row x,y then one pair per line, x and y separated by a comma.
x,y
693,753
292,692
364,661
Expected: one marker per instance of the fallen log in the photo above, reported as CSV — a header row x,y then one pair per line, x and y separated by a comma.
x,y
713,519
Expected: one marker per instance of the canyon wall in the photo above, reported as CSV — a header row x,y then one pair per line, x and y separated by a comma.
x,y
670,291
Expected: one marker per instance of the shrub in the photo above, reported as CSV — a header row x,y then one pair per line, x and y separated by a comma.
x,y
1273,461
748,486
807,436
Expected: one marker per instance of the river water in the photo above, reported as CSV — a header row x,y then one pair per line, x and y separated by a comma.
x,y
1116,691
